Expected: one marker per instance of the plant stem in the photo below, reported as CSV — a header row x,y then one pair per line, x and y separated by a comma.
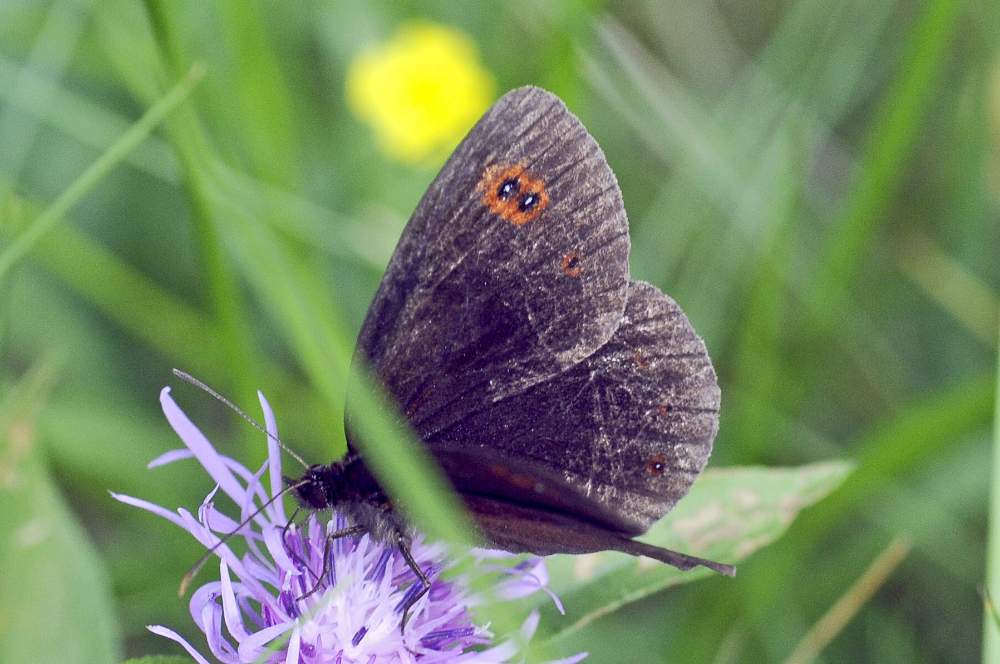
x,y
833,622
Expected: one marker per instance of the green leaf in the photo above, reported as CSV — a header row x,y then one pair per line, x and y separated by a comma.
x,y
55,599
729,514
159,659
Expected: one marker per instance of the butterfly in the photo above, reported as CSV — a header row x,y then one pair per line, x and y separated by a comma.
x,y
568,405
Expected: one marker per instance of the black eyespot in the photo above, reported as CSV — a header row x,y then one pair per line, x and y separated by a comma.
x,y
656,465
508,188
572,262
529,201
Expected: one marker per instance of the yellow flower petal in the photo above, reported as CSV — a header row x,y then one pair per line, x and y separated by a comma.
x,y
420,91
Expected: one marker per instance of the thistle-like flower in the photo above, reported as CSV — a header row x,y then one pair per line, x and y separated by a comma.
x,y
296,595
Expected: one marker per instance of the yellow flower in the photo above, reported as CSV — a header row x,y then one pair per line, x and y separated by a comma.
x,y
420,91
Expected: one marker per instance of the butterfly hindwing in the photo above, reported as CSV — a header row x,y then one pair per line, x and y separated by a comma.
x,y
618,438
513,268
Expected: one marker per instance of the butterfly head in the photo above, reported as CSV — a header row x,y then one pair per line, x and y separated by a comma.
x,y
317,487
340,483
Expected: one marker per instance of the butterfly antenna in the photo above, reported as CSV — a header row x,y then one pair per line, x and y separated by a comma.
x,y
188,378
193,572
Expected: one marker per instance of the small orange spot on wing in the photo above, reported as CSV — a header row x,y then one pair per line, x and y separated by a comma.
x,y
571,264
500,470
521,481
656,465
513,193
526,482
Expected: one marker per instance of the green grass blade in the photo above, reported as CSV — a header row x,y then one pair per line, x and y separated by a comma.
x,y
300,305
991,631
847,607
892,138
81,118
907,440
53,47
134,301
952,286
256,82
87,180
166,44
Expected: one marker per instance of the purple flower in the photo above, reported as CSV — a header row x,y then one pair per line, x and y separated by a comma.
x,y
295,595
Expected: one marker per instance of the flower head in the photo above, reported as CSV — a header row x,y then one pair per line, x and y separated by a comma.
x,y
420,91
298,595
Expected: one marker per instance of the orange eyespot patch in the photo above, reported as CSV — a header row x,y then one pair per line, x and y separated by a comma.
x,y
513,193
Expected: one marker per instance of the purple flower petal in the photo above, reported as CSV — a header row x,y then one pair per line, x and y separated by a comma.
x,y
148,506
579,657
294,645
217,522
528,577
169,457
211,623
275,546
159,630
273,457
530,625
259,608
230,610
222,550
253,646
195,441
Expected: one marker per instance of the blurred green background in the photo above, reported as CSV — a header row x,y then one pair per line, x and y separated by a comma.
x,y
818,185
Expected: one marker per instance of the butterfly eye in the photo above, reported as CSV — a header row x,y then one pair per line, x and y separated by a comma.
x,y
508,188
656,465
527,202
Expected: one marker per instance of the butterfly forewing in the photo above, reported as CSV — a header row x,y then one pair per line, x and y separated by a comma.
x,y
513,268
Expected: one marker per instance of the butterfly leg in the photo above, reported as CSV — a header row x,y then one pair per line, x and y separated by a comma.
x,y
425,583
345,532
284,543
288,524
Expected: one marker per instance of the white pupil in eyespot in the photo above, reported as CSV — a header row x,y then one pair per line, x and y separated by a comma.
x,y
508,188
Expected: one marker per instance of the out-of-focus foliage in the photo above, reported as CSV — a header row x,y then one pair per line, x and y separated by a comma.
x,y
818,185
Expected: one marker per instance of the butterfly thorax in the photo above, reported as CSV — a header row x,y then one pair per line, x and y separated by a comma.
x,y
349,487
